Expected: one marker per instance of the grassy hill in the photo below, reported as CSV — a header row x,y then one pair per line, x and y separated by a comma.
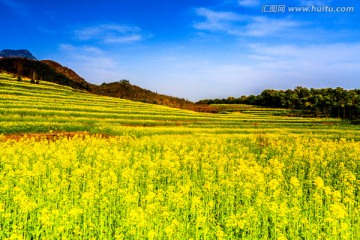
x,y
26,107
22,67
67,72
125,90
52,71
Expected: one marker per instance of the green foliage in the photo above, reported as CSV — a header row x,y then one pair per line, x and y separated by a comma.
x,y
124,81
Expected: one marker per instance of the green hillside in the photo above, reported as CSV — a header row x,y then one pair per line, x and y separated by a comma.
x,y
48,107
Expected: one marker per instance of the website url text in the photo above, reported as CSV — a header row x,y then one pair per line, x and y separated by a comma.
x,y
305,9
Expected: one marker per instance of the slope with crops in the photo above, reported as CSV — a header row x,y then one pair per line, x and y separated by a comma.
x,y
48,70
133,170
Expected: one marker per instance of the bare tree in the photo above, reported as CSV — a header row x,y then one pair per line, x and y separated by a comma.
x,y
19,67
33,77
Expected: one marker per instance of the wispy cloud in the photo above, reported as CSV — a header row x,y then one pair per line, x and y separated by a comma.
x,y
315,2
216,21
242,25
15,6
263,26
92,63
255,68
325,65
249,3
124,39
327,54
255,3
109,33
89,50
281,67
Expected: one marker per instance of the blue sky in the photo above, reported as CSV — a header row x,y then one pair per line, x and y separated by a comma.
x,y
192,49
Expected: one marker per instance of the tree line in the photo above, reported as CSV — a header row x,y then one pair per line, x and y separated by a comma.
x,y
325,102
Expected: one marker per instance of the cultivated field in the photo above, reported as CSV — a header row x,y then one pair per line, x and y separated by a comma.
x,y
131,170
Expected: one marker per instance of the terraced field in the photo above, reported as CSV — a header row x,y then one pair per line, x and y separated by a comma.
x,y
131,170
26,107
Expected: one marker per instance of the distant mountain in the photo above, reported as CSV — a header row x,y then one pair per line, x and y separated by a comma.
x,y
8,53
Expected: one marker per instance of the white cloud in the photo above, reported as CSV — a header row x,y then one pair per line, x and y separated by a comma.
x,y
242,25
255,3
262,66
314,2
84,49
124,39
216,21
109,33
326,65
91,63
324,54
235,71
214,16
249,3
263,26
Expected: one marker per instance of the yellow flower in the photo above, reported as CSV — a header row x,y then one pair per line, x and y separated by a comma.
x,y
338,210
319,183
294,182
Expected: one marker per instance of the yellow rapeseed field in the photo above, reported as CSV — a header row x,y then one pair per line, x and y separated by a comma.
x,y
144,171
180,187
